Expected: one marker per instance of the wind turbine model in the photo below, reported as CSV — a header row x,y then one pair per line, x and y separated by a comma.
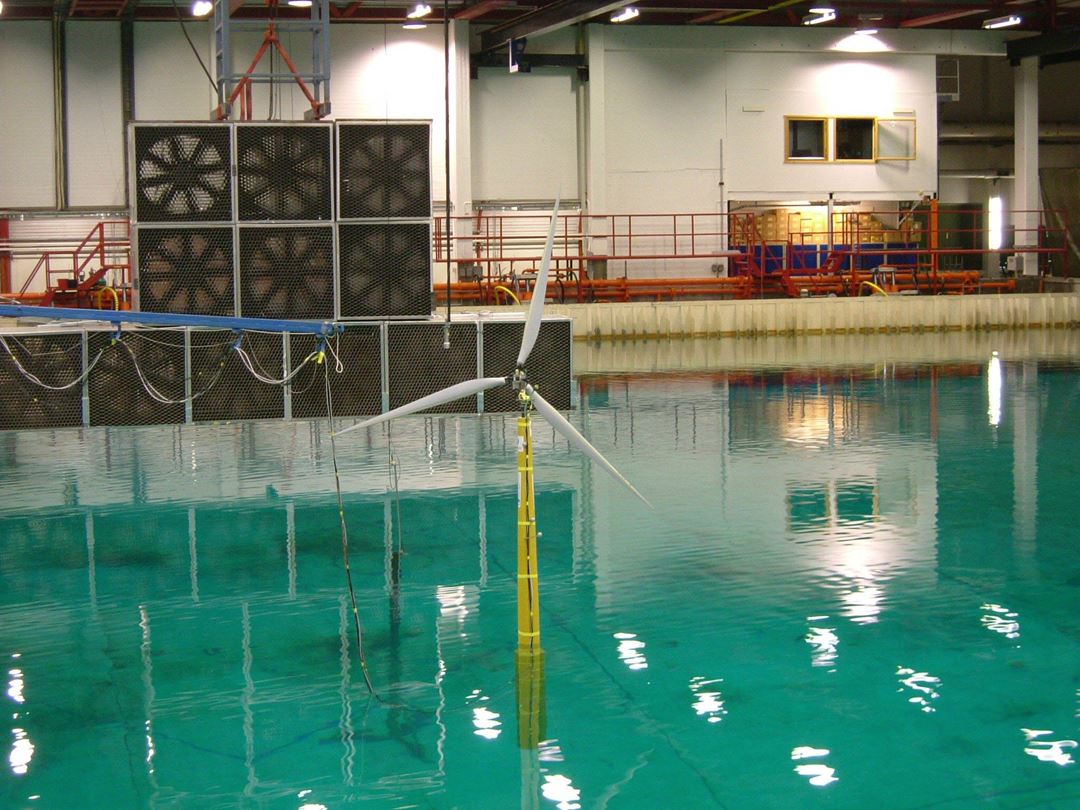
x,y
528,400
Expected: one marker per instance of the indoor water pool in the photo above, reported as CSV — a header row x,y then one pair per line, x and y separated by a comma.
x,y
856,587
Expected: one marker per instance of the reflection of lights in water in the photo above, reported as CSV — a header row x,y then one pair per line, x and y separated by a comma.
x,y
818,773
452,601
631,651
559,789
994,389
15,686
313,806
809,423
919,682
487,722
549,751
22,751
708,702
863,603
1001,620
1048,750
823,642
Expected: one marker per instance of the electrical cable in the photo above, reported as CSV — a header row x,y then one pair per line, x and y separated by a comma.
x,y
195,51
38,381
345,538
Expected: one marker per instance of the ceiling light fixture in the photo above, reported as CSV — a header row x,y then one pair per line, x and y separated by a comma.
x,y
824,14
200,8
414,26
418,11
625,14
300,3
866,31
1007,21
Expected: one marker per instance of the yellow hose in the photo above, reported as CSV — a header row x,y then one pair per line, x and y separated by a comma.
x,y
873,287
509,292
116,298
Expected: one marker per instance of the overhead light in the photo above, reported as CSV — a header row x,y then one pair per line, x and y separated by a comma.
x,y
200,8
418,11
866,31
824,14
1003,22
625,14
414,26
300,3
1,8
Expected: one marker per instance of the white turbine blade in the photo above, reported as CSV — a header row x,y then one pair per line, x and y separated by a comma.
x,y
536,306
571,434
456,391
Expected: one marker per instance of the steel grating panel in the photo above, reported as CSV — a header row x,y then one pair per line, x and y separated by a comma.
x,y
118,396
549,365
56,360
356,391
283,172
384,170
188,270
419,365
287,272
223,387
385,269
182,173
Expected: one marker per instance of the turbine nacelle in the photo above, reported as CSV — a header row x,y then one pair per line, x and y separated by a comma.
x,y
518,379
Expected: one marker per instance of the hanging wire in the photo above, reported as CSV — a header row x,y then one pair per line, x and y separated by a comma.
x,y
38,381
194,50
345,538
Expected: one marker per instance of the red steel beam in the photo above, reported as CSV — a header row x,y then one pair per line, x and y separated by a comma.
x,y
945,16
479,9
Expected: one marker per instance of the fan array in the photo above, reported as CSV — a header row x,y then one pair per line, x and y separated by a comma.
x,y
101,376
239,219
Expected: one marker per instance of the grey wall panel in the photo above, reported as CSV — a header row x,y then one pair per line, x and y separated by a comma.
x,y
27,174
95,131
169,84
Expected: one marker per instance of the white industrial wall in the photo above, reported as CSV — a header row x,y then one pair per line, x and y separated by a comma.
x,y
524,134
26,97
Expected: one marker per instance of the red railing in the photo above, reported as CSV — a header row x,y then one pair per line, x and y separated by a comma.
x,y
76,273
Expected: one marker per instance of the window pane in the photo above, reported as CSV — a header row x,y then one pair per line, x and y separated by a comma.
x,y
806,139
896,139
854,138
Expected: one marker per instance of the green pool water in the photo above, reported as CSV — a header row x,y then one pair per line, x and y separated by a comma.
x,y
857,587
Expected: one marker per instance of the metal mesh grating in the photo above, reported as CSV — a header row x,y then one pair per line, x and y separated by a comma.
x,y
117,396
549,365
238,395
287,272
186,270
182,173
356,391
385,270
283,172
56,360
419,365
384,171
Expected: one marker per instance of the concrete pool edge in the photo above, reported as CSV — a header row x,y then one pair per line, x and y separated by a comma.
x,y
816,316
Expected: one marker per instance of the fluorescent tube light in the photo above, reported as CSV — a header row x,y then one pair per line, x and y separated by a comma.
x,y
418,11
300,3
1003,22
625,14
824,13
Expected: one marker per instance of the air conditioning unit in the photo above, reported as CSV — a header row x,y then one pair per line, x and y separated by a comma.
x,y
1023,264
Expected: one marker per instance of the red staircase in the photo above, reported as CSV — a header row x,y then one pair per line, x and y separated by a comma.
x,y
96,274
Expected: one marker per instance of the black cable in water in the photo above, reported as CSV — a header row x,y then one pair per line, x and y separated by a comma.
x,y
345,537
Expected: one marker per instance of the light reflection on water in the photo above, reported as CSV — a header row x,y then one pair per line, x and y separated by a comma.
x,y
802,619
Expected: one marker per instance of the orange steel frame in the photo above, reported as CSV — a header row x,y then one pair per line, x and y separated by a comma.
x,y
75,277
504,258
243,92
